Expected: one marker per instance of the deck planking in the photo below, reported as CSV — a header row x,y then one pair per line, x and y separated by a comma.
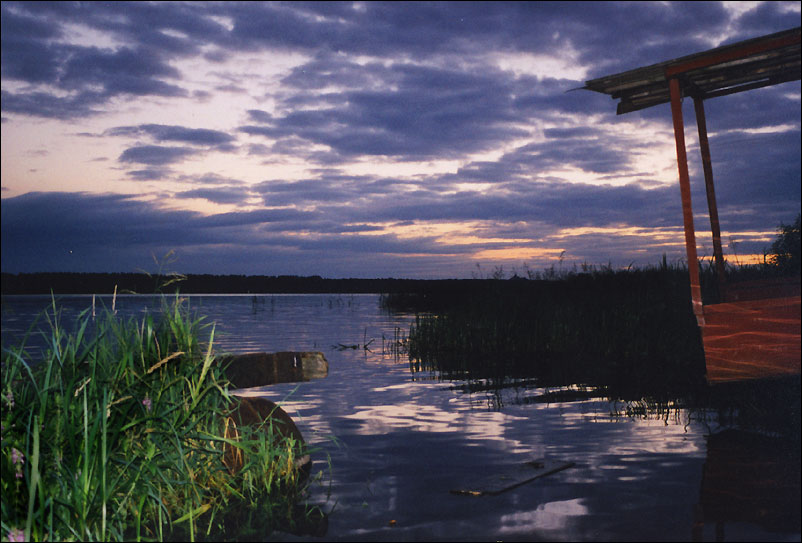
x,y
752,339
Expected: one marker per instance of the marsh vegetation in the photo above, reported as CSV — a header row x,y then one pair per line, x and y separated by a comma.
x,y
631,332
626,329
622,334
119,433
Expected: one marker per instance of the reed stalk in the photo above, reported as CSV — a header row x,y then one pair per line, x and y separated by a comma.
x,y
118,433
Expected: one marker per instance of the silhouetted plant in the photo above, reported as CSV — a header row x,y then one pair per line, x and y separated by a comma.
x,y
785,250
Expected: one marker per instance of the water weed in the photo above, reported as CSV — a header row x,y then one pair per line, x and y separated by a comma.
x,y
119,433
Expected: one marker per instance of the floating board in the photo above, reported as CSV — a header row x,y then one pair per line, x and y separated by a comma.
x,y
513,476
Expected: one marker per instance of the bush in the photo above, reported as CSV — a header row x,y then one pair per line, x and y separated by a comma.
x,y
786,249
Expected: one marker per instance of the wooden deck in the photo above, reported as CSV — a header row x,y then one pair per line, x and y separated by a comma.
x,y
744,338
752,339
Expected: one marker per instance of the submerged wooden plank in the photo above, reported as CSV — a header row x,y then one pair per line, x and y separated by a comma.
x,y
753,339
511,477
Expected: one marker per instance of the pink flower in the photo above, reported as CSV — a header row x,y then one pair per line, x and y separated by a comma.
x,y
15,534
147,403
17,457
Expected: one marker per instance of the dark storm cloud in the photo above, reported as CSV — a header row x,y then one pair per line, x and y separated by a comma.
x,y
327,70
766,18
757,178
25,54
416,112
210,179
770,106
258,149
267,131
256,218
259,116
171,27
91,75
155,155
653,32
160,132
88,222
43,104
219,195
113,232
560,205
125,70
518,194
410,81
327,188
155,34
150,174
591,155
306,191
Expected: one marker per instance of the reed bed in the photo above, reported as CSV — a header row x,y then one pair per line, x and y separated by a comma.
x,y
625,335
119,434
631,332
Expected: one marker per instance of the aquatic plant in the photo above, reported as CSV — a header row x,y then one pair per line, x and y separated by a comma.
x,y
629,331
120,431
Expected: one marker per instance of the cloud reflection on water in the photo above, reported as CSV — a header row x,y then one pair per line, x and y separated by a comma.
x,y
555,517
397,441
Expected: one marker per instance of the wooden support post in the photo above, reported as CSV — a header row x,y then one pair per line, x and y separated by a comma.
x,y
704,148
685,191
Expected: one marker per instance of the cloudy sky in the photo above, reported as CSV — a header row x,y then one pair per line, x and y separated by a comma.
x,y
364,139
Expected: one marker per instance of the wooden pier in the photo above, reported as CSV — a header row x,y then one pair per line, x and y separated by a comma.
x,y
755,332
752,339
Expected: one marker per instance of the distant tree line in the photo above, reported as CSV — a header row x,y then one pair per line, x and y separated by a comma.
x,y
141,283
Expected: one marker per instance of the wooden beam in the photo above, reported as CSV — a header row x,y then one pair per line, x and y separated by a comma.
x,y
685,191
773,80
735,53
707,166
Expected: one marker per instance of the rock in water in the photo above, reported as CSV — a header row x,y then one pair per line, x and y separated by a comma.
x,y
260,369
261,411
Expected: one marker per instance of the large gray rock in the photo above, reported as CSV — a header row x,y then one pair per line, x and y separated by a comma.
x,y
260,369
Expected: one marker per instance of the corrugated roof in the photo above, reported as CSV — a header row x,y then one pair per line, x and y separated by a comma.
x,y
746,65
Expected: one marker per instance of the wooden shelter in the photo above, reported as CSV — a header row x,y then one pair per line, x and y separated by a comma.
x,y
755,331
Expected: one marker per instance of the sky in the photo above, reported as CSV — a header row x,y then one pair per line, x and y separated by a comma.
x,y
367,139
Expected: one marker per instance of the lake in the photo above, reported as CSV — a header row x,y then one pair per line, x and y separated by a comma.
x,y
392,444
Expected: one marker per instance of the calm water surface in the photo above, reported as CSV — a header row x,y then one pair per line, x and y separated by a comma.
x,y
398,441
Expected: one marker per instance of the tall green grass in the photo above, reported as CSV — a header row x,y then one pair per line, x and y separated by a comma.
x,y
119,433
